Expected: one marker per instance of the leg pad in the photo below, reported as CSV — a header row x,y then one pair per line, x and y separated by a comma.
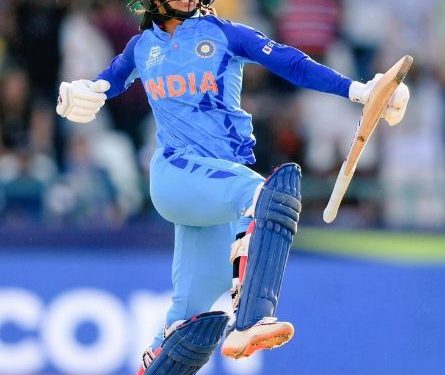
x,y
276,216
190,346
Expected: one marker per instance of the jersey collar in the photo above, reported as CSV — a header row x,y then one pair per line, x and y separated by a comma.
x,y
186,24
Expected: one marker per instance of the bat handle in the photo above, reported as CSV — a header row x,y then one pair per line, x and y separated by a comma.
x,y
341,185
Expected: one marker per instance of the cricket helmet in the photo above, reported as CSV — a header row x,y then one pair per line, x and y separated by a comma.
x,y
152,13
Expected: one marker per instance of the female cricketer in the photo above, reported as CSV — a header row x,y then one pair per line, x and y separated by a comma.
x,y
233,228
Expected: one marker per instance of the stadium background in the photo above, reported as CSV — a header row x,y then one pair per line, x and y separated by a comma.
x,y
84,259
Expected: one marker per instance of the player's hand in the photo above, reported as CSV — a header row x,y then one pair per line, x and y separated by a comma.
x,y
79,101
359,92
397,105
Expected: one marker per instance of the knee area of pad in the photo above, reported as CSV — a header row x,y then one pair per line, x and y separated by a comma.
x,y
276,210
281,204
286,179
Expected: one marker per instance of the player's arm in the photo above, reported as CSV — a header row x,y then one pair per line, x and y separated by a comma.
x,y
80,100
299,69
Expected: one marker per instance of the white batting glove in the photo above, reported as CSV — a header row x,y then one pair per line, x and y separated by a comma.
x,y
359,92
79,101
397,105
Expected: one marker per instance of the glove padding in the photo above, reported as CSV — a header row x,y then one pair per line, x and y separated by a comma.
x,y
79,101
359,92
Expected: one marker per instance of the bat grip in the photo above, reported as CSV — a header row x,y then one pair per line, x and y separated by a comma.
x,y
340,187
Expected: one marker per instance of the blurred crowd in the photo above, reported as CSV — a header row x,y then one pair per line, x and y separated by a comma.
x,y
56,173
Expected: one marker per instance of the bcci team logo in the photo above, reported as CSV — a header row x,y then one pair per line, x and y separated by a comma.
x,y
205,49
155,57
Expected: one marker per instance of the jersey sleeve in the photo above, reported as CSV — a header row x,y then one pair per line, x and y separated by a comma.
x,y
122,71
285,61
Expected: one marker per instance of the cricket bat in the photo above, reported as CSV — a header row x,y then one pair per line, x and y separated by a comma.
x,y
371,115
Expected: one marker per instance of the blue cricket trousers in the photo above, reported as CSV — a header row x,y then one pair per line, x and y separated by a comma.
x,y
205,198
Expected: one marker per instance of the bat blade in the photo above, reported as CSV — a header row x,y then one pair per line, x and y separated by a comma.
x,y
371,115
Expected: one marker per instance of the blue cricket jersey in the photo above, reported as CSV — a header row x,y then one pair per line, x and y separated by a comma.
x,y
193,82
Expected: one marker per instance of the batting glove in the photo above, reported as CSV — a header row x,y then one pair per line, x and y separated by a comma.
x,y
79,101
359,92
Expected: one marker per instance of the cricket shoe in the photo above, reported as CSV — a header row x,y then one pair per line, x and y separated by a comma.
x,y
266,334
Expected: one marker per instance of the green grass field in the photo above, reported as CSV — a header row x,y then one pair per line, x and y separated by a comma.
x,y
389,246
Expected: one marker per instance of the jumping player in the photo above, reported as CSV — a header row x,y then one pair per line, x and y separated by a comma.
x,y
190,63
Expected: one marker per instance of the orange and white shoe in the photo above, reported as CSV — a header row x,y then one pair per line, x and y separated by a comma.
x,y
268,333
